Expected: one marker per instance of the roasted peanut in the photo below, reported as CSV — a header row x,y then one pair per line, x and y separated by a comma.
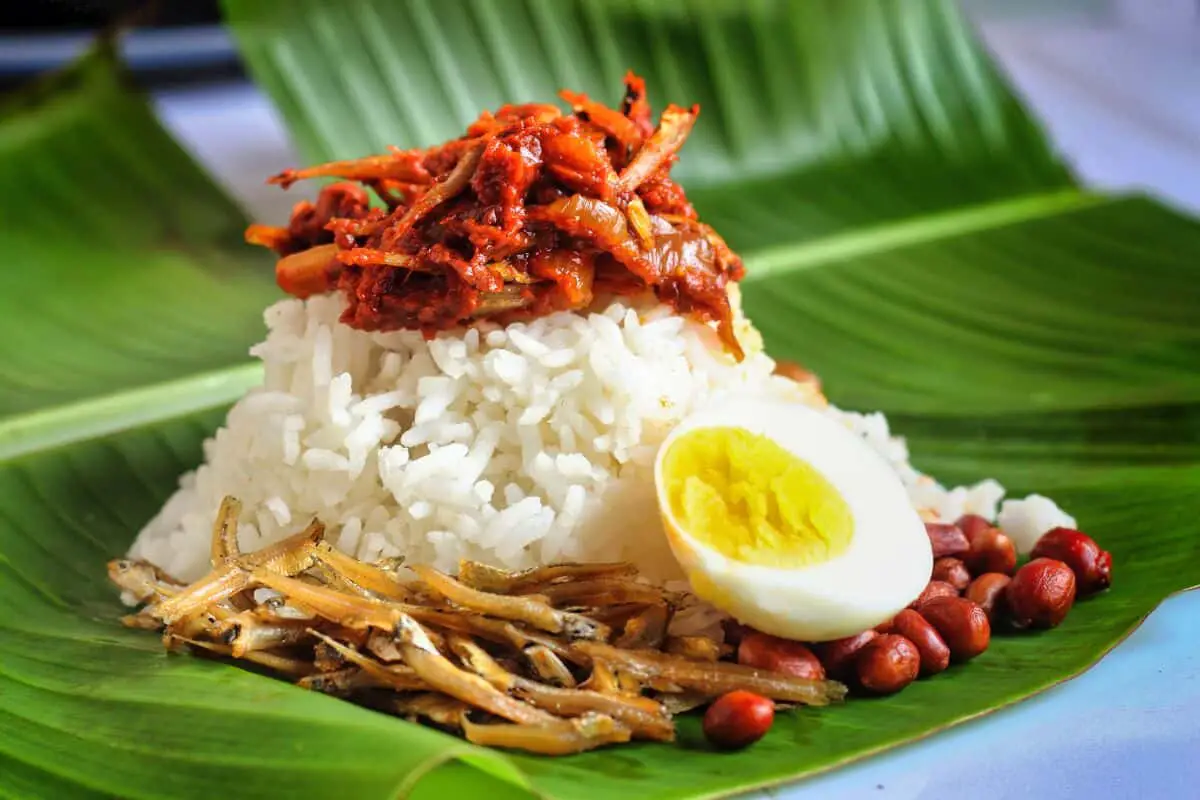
x,y
988,592
946,540
935,655
970,524
962,624
1040,594
887,664
838,656
933,589
779,655
952,571
990,551
738,719
1091,565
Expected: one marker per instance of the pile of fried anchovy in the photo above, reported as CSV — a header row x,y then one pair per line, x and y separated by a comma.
x,y
554,660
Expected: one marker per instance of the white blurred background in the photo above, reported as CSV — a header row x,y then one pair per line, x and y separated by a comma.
x,y
1116,81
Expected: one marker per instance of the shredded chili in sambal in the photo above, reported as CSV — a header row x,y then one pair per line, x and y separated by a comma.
x,y
532,211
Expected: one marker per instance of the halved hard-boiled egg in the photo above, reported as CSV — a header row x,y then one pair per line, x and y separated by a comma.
x,y
788,521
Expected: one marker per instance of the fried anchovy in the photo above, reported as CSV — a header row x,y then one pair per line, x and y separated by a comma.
x,y
225,530
673,129
479,661
562,649
602,592
445,189
492,630
281,664
144,581
645,717
221,583
557,738
713,678
246,633
374,579
339,682
639,222
509,298
602,679
681,703
142,621
629,683
350,611
432,667
695,648
380,166
492,579
616,616
308,272
647,629
437,708
497,631
396,676
517,608
549,666
289,557
191,627
386,647
334,580
327,659
611,121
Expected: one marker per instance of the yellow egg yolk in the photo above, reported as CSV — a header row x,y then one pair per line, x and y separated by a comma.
x,y
746,497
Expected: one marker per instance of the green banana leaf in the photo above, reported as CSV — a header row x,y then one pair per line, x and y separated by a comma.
x,y
909,234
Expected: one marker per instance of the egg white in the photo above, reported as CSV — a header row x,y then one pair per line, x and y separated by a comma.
x,y
885,566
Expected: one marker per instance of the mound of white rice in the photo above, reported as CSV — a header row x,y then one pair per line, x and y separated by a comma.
x,y
515,445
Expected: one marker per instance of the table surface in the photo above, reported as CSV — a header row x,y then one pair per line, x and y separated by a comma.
x,y
1122,103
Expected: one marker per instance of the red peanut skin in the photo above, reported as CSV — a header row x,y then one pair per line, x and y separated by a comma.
x,y
888,663
1091,565
962,624
987,591
838,655
970,524
738,719
946,540
772,653
933,589
935,654
991,551
952,571
1041,594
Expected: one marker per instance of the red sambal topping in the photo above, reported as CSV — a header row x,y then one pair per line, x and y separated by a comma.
x,y
532,211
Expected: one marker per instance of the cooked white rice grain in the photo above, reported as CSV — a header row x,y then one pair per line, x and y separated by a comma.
x,y
516,446
1026,520
511,445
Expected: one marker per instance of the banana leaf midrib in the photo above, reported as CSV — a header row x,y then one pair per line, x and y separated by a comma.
x,y
99,416
917,230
